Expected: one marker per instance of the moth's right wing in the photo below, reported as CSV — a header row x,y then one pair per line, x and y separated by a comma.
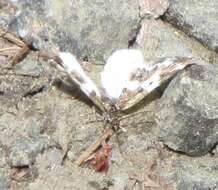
x,y
162,71
68,64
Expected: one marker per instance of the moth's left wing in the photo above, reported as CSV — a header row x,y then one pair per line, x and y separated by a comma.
x,y
67,63
162,71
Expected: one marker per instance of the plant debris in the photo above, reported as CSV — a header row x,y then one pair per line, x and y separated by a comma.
x,y
85,156
17,53
100,161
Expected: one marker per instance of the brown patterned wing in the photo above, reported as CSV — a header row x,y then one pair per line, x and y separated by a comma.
x,y
161,72
68,64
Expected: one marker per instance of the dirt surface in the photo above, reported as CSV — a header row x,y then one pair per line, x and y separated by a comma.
x,y
46,122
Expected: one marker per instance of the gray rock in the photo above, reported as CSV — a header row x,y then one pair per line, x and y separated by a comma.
x,y
21,81
198,173
7,13
29,66
14,86
55,157
63,177
189,173
24,151
187,117
197,181
25,124
154,8
33,127
196,18
90,29
158,39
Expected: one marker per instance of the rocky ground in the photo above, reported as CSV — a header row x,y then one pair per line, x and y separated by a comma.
x,y
45,123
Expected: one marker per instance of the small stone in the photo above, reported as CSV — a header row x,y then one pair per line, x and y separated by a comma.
x,y
24,151
33,127
153,8
87,28
196,18
199,181
29,66
22,33
187,116
157,39
55,157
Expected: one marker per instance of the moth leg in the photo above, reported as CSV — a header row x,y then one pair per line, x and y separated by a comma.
x,y
132,115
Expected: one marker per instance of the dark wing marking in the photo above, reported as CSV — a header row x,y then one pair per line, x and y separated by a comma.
x,y
160,73
68,64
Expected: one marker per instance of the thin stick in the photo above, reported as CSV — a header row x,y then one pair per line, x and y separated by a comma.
x,y
89,151
10,49
12,38
24,48
20,55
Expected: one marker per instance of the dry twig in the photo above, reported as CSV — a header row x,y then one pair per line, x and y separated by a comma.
x,y
11,38
22,49
89,151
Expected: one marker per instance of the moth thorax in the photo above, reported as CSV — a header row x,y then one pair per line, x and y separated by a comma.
x,y
111,117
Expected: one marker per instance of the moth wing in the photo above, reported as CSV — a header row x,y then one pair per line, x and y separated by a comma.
x,y
162,71
68,64
115,76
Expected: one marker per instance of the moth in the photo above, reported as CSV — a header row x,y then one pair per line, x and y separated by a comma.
x,y
125,80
